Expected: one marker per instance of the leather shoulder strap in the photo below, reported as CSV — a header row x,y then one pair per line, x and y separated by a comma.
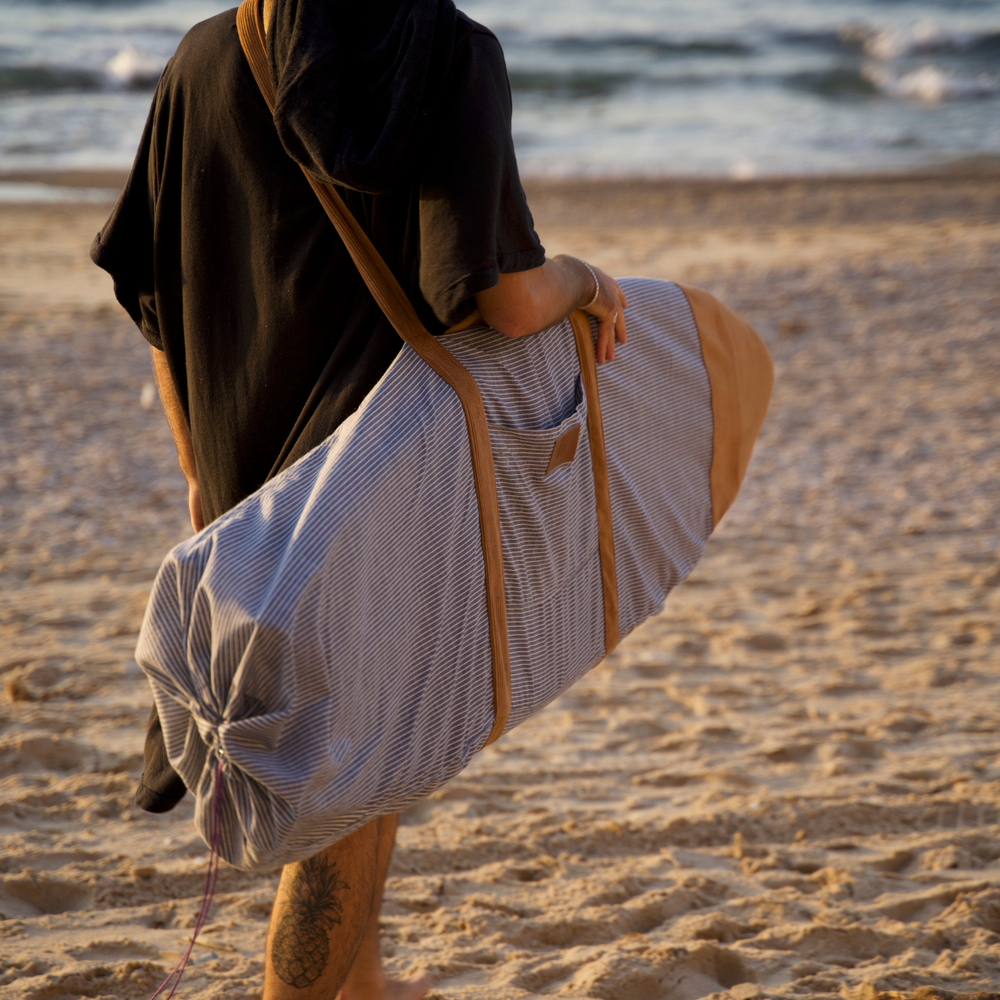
x,y
400,312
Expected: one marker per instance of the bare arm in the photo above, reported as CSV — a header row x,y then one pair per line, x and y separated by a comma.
x,y
181,435
526,302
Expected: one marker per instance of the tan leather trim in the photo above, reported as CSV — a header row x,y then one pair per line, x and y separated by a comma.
x,y
741,376
599,465
401,314
564,450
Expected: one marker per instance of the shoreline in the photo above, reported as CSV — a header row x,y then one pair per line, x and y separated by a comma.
x,y
972,168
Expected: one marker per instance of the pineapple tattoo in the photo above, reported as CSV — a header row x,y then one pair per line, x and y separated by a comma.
x,y
301,945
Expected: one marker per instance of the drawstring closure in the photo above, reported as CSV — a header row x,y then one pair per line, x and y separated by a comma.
x,y
206,897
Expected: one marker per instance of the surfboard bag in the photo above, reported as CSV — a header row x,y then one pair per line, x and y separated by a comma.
x,y
478,535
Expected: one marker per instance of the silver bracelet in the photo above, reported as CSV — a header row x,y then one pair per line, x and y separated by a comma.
x,y
597,284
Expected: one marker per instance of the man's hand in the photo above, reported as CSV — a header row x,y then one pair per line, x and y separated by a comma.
x,y
609,310
525,302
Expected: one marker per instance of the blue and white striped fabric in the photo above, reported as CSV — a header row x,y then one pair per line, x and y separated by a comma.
x,y
327,639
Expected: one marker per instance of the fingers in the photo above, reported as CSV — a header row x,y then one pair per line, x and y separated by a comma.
x,y
620,327
606,339
611,327
602,342
620,317
609,310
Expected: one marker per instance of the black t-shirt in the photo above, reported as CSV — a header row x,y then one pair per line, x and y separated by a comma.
x,y
224,258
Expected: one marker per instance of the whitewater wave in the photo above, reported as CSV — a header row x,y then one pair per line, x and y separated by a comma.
x,y
133,69
128,69
627,88
932,84
929,84
922,38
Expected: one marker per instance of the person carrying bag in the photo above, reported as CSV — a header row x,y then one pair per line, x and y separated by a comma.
x,y
440,538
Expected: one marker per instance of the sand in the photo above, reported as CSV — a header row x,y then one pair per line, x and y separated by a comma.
x,y
785,785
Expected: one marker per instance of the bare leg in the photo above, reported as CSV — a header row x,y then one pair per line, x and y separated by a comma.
x,y
366,980
320,918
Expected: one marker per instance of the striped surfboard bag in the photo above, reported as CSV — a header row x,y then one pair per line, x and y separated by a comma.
x,y
474,538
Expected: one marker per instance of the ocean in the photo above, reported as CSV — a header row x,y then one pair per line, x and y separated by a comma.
x,y
736,88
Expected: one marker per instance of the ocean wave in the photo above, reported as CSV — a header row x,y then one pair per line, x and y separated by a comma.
x,y
933,85
826,41
929,84
838,82
922,38
132,69
128,69
657,46
866,81
41,79
572,83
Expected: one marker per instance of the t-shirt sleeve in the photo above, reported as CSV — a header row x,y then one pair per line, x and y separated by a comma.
x,y
474,217
124,246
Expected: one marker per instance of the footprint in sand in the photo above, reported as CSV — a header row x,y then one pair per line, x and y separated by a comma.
x,y
766,642
113,951
22,896
50,861
679,973
38,751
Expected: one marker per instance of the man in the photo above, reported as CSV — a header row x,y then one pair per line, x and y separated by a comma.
x,y
264,336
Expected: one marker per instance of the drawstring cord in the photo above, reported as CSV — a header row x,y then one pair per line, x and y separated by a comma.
x,y
206,897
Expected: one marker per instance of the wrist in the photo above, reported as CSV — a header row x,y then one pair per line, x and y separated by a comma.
x,y
590,286
591,299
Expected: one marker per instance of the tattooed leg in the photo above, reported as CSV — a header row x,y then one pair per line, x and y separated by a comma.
x,y
366,980
319,918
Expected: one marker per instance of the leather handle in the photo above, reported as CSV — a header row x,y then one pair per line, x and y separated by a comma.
x,y
599,467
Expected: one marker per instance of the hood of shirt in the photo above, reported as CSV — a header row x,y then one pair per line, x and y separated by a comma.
x,y
354,81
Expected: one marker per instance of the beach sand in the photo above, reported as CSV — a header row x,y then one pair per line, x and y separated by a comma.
x,y
785,785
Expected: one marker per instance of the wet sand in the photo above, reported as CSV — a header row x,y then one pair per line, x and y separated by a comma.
x,y
785,785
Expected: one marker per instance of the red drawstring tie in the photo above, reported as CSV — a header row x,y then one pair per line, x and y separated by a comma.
x,y
206,897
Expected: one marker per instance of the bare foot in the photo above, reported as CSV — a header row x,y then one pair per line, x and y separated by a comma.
x,y
384,988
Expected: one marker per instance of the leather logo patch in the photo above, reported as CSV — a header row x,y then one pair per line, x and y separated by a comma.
x,y
564,450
